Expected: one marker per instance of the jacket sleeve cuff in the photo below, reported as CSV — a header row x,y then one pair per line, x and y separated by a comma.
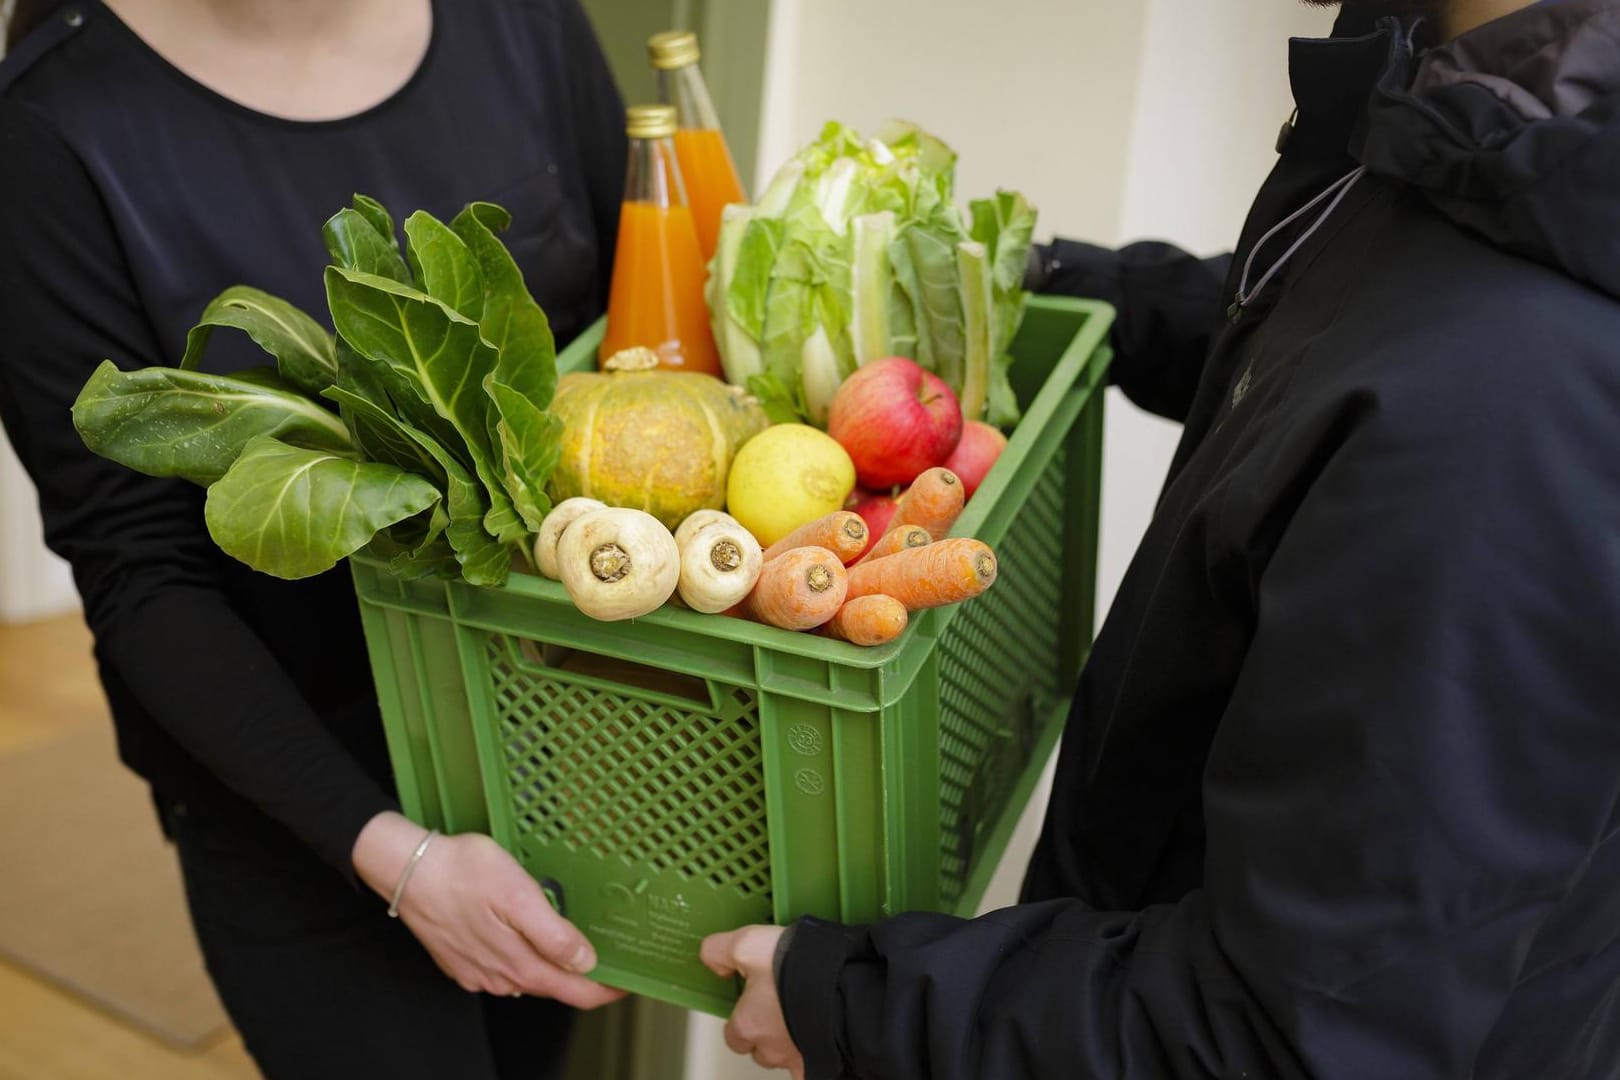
x,y
809,963
1073,268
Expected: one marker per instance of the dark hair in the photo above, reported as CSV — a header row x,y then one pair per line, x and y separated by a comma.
x,y
25,15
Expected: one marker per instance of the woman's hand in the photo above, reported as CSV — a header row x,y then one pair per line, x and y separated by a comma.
x,y
482,918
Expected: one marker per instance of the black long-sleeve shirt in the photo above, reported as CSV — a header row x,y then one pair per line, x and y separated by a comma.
x,y
129,196
1339,798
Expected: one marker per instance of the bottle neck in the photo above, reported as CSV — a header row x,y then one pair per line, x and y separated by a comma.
x,y
653,177
685,89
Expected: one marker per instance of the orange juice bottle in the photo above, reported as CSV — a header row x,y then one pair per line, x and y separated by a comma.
x,y
706,165
656,299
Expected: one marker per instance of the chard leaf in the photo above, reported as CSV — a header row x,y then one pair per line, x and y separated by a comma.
x,y
482,559
377,214
436,355
408,559
293,513
302,348
512,321
416,547
381,435
170,422
530,441
444,268
355,242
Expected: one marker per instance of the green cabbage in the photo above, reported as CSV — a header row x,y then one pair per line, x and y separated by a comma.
x,y
857,250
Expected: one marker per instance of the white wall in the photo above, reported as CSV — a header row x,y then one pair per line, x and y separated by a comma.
x,y
1033,94
34,584
1120,121
1213,93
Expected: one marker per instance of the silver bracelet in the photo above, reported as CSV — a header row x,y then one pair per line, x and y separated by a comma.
x,y
410,868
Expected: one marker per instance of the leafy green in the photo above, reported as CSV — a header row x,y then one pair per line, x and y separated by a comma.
x,y
446,269
1004,225
292,512
512,322
361,239
440,448
925,266
171,422
382,436
974,278
530,441
483,559
304,351
439,355
869,294
378,216
851,254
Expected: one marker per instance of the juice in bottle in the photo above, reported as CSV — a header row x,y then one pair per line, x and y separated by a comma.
x,y
706,165
656,298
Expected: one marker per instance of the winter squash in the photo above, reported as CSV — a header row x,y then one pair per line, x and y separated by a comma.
x,y
647,439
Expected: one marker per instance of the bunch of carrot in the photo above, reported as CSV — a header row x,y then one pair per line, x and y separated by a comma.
x,y
817,578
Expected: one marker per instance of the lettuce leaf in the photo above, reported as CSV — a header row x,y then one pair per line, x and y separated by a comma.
x,y
852,253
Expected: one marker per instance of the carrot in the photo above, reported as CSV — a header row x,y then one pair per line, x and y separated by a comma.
x,y
934,501
868,620
906,536
842,532
928,577
798,590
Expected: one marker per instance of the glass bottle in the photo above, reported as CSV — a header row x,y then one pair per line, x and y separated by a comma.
x,y
656,298
706,165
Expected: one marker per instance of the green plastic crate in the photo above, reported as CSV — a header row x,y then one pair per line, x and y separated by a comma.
x,y
682,773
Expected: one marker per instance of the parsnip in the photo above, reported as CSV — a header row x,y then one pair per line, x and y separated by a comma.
x,y
720,562
618,564
553,525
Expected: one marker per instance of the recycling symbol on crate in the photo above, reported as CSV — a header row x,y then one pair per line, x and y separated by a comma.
x,y
804,739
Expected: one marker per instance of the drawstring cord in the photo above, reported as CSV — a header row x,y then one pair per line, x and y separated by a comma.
x,y
1336,191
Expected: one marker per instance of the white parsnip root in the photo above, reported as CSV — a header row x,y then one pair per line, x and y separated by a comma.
x,y
696,520
554,525
618,564
720,562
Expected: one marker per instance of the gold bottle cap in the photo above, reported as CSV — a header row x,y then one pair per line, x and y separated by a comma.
x,y
649,121
672,49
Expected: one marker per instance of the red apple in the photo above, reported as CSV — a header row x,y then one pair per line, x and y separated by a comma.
x,y
877,510
978,449
895,420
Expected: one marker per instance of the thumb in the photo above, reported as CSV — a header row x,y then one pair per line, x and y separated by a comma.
x,y
552,936
718,953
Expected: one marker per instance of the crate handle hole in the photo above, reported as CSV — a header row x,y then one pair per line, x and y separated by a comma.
x,y
532,654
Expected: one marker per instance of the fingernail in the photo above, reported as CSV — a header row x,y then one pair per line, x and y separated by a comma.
x,y
583,960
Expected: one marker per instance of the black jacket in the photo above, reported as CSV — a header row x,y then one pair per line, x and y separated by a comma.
x,y
1340,793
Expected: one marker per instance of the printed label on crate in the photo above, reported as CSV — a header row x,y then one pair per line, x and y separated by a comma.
x,y
656,926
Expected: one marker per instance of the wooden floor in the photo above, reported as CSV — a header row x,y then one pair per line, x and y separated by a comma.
x,y
48,689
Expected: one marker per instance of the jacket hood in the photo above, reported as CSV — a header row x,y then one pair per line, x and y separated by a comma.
x,y
1512,131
